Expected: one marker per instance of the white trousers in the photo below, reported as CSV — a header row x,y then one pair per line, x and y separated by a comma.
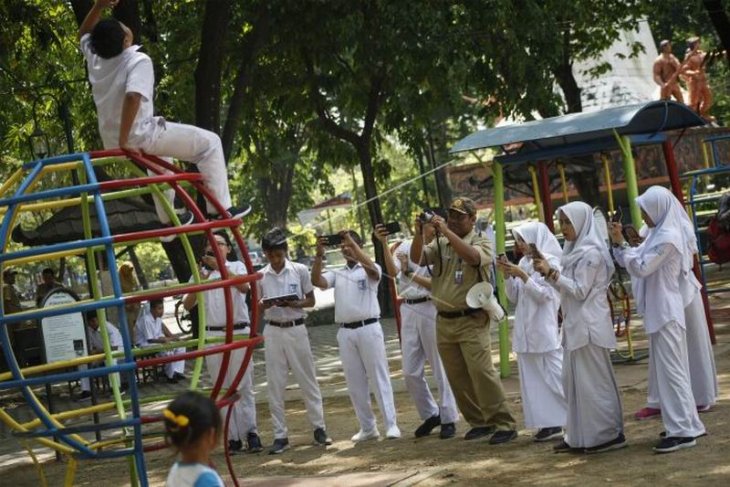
x,y
543,400
595,415
243,418
362,352
196,146
668,356
171,368
418,345
85,383
285,349
702,371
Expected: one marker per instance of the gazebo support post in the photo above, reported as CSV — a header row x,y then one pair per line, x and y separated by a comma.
x,y
673,172
536,193
500,230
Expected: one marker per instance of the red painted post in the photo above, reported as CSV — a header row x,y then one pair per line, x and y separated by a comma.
x,y
545,193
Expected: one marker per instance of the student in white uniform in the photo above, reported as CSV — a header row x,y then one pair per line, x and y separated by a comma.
x,y
595,422
360,337
242,426
418,338
656,267
122,82
96,346
151,331
286,340
535,333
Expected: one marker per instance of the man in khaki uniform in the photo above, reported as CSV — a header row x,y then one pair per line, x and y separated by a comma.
x,y
461,258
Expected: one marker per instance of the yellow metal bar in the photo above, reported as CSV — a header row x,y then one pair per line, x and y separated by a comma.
x,y
74,413
11,181
536,191
65,166
607,181
8,420
563,183
49,256
70,472
38,466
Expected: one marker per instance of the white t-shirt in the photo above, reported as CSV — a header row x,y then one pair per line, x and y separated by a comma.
x,y
96,341
193,475
215,299
407,288
356,295
147,328
293,279
111,79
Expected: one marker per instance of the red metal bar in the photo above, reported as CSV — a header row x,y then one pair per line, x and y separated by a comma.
x,y
223,347
166,231
673,172
545,195
143,181
194,288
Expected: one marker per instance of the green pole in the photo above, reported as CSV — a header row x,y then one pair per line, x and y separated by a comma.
x,y
632,188
500,231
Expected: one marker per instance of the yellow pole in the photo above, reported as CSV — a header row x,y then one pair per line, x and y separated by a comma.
x,y
607,180
563,183
536,191
11,181
70,472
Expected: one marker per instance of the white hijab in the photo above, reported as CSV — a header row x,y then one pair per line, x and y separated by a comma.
x,y
588,237
539,234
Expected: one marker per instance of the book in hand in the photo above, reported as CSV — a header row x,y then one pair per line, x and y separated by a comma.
x,y
280,300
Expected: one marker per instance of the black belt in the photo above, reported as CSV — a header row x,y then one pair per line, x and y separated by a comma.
x,y
357,324
458,314
417,300
287,324
236,326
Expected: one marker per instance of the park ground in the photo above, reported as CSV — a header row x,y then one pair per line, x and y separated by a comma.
x,y
431,461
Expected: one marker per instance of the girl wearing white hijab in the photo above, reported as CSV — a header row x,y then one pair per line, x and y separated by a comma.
x,y
535,335
656,267
595,419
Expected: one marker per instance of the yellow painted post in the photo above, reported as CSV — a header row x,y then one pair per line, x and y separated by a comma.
x,y
607,180
563,182
536,192
632,187
500,233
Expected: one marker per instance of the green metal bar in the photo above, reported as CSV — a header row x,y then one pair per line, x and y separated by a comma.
x,y
500,230
632,187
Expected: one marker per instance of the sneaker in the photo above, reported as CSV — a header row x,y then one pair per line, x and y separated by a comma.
x,y
280,446
235,211
479,432
615,444
448,430
254,443
235,446
392,433
179,376
428,426
321,438
172,380
502,437
547,434
563,447
84,396
704,409
663,434
647,413
186,218
674,443
361,435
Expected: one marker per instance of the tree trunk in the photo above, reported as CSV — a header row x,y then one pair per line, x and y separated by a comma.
x,y
276,191
443,190
216,18
721,22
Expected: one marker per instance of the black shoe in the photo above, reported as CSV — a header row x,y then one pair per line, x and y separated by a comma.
x,y
502,437
179,376
172,380
547,434
479,432
254,443
321,438
84,396
448,430
280,446
235,211
235,446
428,426
563,447
615,444
674,443
186,218
123,388
663,434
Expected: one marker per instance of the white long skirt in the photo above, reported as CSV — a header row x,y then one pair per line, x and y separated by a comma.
x,y
702,371
595,415
543,400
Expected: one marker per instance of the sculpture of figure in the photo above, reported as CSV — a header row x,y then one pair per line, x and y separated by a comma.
x,y
666,69
700,96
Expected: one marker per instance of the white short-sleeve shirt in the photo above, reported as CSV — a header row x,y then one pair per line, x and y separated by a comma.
x,y
97,342
293,279
147,328
215,299
111,79
356,295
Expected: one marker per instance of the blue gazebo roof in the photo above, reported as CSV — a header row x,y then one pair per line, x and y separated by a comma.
x,y
582,129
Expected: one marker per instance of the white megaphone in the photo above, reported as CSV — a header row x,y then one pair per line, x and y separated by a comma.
x,y
481,296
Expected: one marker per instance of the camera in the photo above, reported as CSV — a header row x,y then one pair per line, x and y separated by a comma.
x,y
426,216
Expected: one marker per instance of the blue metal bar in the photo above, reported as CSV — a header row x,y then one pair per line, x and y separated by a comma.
x,y
56,311
54,160
51,193
67,376
84,428
59,247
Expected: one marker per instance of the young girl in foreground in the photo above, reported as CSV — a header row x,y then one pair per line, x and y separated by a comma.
x,y
192,426
595,422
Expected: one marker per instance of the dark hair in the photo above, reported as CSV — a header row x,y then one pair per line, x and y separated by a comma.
x,y
188,417
91,315
356,237
274,239
48,270
107,38
156,302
